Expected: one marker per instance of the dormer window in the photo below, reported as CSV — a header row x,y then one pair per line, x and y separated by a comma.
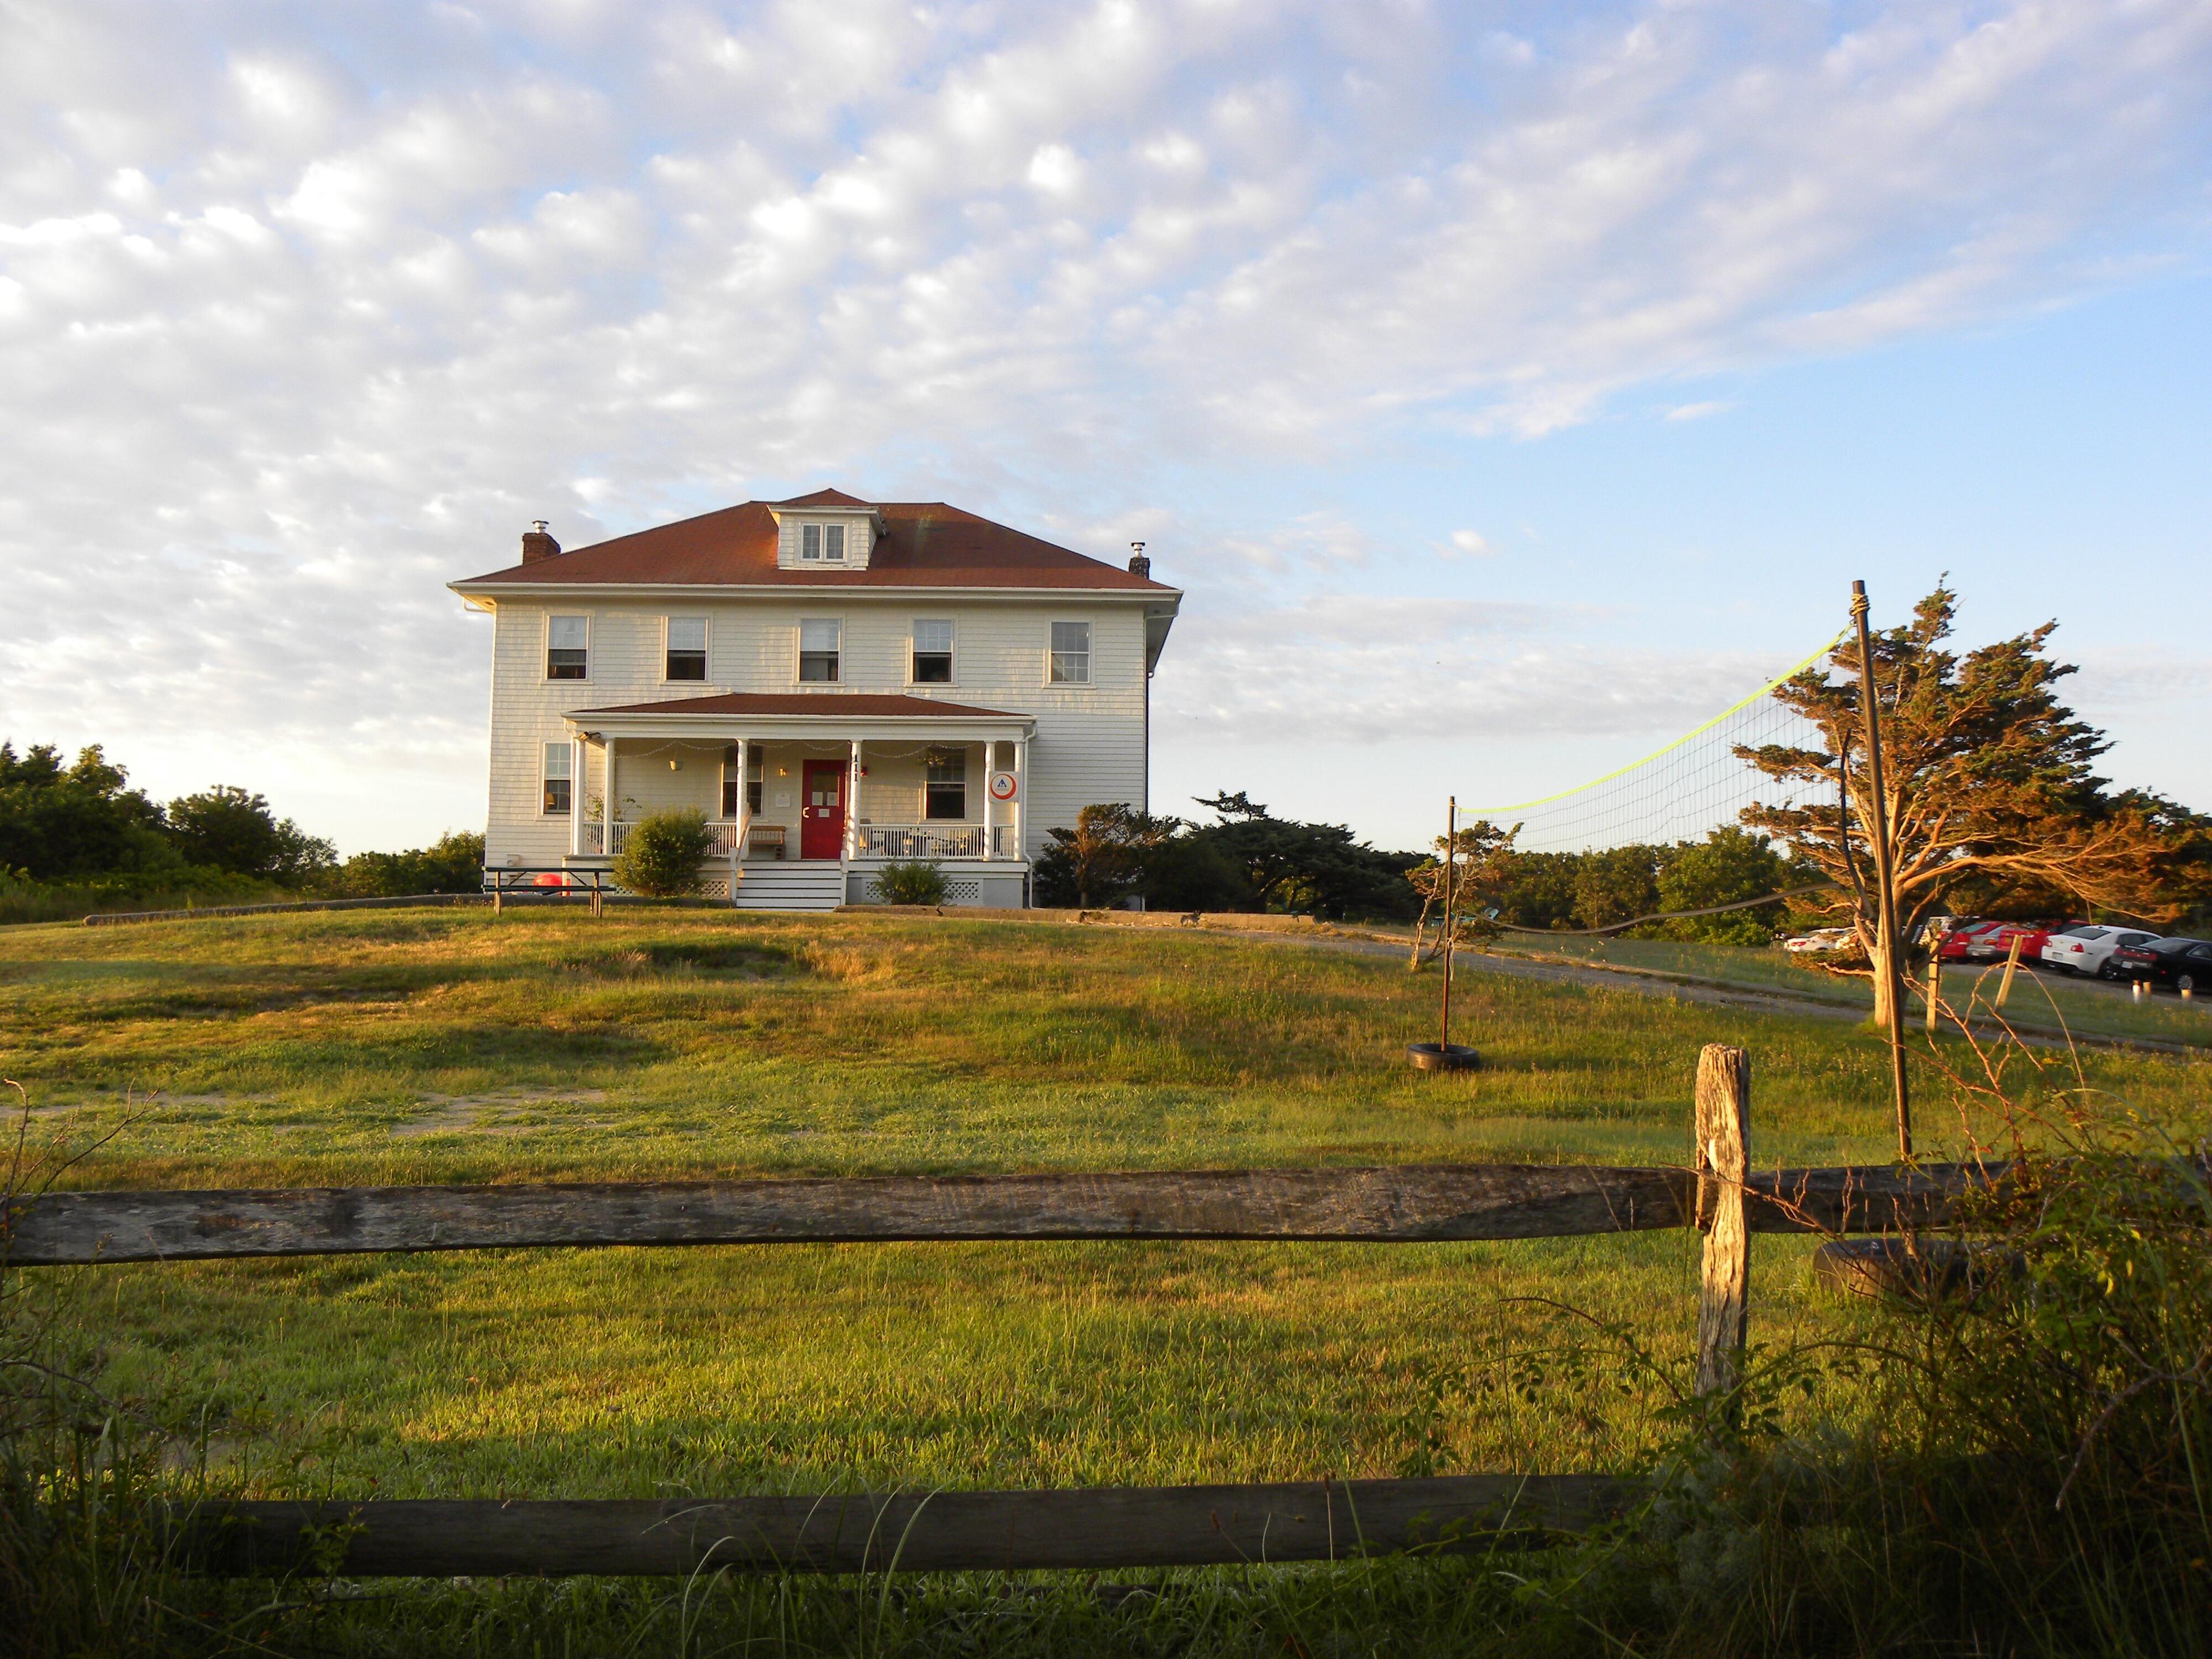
x,y
822,543
837,534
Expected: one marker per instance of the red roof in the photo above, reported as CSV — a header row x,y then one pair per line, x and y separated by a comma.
x,y
822,498
827,705
924,545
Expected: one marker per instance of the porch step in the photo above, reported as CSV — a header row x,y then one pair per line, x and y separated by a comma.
x,y
791,887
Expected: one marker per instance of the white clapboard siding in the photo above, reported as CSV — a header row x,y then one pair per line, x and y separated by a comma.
x,y
1089,743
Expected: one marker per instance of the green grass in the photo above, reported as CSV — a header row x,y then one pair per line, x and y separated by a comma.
x,y
455,1046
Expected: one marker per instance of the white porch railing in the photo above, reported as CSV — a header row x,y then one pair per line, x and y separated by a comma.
x,y
922,841
721,834
877,841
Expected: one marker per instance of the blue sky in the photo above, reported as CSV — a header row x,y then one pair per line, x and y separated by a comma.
x,y
1509,386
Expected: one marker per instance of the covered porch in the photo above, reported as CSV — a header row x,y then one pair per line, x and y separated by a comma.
x,y
807,796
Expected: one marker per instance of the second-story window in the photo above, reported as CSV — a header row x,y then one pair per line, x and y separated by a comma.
x,y
687,648
932,653
1071,654
567,642
944,793
817,649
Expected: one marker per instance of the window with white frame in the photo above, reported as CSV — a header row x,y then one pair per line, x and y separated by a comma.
x,y
932,653
945,790
822,543
1071,654
819,640
687,649
558,782
567,647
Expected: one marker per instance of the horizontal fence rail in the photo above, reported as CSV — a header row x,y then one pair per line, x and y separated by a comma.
x,y
1097,1528
957,1531
1397,1205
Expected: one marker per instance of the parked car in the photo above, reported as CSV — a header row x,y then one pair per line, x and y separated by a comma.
x,y
2183,963
1996,943
1820,941
1961,939
2088,948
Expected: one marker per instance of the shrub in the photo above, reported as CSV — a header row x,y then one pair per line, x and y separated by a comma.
x,y
663,855
454,865
910,881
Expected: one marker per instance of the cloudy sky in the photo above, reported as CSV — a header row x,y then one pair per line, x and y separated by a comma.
x,y
1510,385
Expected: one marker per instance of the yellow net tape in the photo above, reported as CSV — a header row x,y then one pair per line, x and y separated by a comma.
x,y
1667,748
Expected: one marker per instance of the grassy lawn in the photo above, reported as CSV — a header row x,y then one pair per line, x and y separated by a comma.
x,y
452,1046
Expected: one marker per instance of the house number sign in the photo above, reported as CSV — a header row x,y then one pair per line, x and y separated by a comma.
x,y
1002,786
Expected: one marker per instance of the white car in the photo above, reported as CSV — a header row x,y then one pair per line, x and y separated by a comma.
x,y
2089,949
1820,941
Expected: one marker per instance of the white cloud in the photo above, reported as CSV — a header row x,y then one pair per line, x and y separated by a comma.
x,y
1468,544
306,315
1696,411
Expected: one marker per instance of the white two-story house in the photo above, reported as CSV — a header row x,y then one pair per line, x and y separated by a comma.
x,y
835,684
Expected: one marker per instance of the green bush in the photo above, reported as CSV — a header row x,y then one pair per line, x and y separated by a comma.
x,y
663,855
454,865
910,881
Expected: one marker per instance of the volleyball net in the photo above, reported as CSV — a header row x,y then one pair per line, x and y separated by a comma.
x,y
1680,791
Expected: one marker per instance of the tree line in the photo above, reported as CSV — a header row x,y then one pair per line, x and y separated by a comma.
x,y
1249,859
80,836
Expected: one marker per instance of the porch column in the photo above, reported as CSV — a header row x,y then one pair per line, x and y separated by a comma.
x,y
744,798
607,801
1021,798
853,803
990,806
576,758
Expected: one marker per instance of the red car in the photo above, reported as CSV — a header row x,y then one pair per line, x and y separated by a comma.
x,y
1959,940
1994,944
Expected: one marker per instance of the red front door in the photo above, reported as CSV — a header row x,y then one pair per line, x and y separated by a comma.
x,y
822,820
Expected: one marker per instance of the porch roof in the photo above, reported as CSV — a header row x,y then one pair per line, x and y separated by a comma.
x,y
844,706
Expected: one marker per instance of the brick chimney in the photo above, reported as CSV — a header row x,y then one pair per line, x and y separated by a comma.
x,y
536,544
1139,564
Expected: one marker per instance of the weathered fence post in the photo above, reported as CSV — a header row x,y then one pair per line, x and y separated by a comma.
x,y
1723,1114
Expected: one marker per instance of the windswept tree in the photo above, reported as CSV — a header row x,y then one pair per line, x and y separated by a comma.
x,y
1990,789
1306,869
1102,857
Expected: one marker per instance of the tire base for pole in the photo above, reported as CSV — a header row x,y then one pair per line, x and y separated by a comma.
x,y
1437,1057
1923,1270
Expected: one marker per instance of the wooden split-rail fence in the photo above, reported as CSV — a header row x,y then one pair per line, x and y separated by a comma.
x,y
1718,1195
